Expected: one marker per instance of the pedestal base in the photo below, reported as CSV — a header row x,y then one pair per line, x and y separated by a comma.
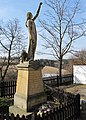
x,y
29,103
16,110
30,90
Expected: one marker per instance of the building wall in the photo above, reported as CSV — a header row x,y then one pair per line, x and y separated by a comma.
x,y
79,72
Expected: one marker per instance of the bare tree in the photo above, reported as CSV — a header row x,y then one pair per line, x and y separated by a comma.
x,y
62,27
12,41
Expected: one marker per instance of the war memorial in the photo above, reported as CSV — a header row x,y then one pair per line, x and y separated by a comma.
x,y
29,90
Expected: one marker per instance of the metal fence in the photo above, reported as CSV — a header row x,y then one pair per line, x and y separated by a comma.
x,y
8,88
54,81
66,111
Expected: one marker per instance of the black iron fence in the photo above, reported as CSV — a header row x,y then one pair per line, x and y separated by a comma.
x,y
65,111
8,88
54,81
69,110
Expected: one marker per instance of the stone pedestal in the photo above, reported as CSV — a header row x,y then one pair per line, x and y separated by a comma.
x,y
29,91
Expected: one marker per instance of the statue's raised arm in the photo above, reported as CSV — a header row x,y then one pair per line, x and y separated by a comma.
x,y
37,13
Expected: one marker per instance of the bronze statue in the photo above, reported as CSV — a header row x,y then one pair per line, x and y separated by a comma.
x,y
32,33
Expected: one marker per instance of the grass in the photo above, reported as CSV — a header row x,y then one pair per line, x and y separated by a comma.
x,y
77,88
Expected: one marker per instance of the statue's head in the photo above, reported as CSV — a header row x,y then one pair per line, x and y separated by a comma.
x,y
29,15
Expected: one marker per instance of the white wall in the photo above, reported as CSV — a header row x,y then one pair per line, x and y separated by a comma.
x,y
79,73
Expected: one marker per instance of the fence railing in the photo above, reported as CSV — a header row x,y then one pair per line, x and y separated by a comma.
x,y
8,88
54,81
65,111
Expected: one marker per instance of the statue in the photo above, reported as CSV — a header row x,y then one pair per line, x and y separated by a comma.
x,y
32,33
24,56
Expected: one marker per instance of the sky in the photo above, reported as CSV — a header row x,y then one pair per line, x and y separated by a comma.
x,y
10,9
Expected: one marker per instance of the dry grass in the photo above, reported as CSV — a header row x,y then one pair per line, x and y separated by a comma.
x,y
11,73
53,70
77,88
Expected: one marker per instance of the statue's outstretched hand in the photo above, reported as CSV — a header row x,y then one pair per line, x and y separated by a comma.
x,y
41,3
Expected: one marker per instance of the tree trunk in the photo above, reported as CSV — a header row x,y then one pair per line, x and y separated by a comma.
x,y
60,71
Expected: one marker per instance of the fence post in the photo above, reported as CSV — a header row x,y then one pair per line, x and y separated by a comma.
x,y
77,102
57,81
2,89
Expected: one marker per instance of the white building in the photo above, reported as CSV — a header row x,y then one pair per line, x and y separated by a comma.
x,y
79,72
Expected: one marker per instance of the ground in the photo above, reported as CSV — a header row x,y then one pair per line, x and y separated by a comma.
x,y
75,89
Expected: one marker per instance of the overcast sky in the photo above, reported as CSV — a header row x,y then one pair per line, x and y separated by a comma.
x,y
10,9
